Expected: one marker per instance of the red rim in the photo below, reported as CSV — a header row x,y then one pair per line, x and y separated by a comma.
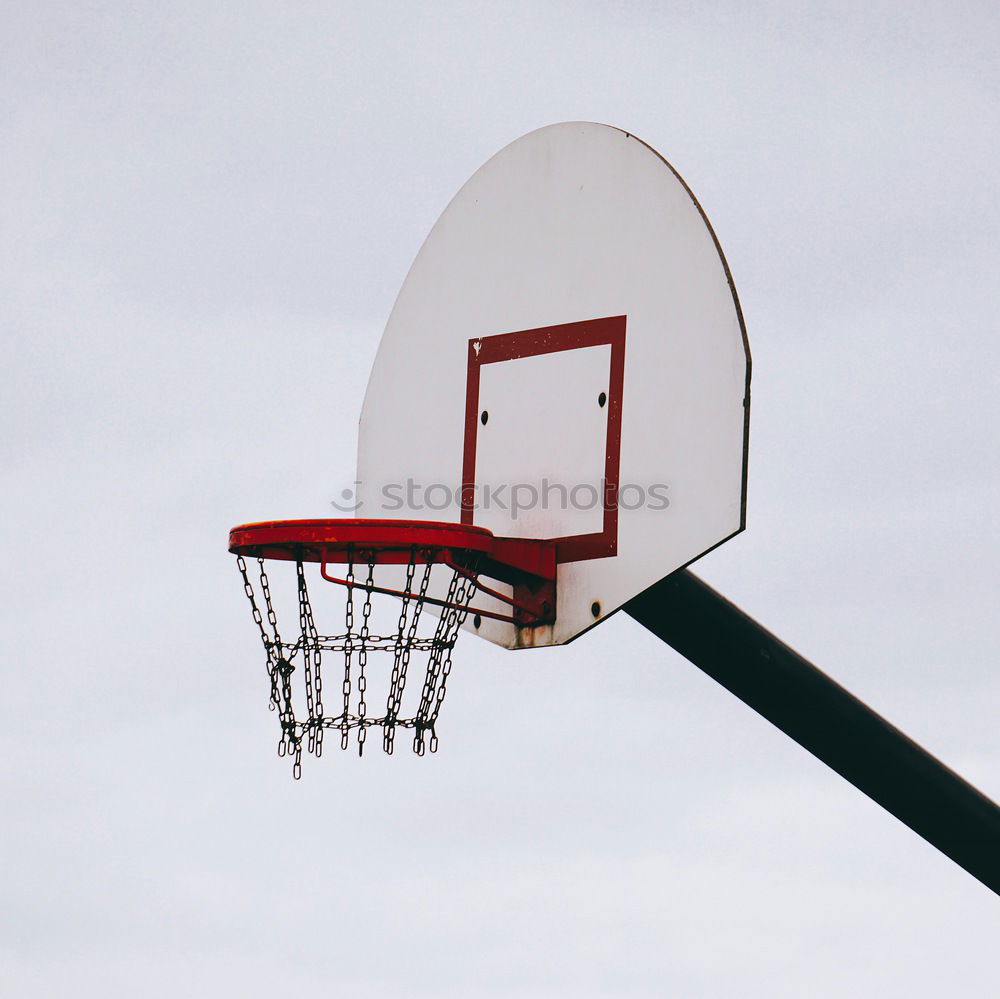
x,y
526,564
390,541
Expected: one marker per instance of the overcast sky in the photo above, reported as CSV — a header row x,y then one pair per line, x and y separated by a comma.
x,y
207,210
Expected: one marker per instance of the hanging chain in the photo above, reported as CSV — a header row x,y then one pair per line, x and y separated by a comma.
x,y
312,660
348,653
405,638
460,590
458,613
363,637
281,670
391,710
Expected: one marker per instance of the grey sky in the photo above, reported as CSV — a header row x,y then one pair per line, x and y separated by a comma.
x,y
207,210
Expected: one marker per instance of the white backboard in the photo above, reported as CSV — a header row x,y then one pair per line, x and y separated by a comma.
x,y
569,340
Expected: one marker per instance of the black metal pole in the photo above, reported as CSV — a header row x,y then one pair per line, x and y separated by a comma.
x,y
826,719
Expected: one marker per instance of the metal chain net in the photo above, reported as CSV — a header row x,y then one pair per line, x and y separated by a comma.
x,y
294,668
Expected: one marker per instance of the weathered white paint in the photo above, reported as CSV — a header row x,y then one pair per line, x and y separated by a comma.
x,y
572,222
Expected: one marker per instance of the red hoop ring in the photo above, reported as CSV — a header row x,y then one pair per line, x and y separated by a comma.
x,y
391,542
528,564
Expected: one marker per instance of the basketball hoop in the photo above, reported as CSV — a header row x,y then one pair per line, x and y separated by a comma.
x,y
418,552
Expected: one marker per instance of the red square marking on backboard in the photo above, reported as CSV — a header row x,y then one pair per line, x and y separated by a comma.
x,y
550,340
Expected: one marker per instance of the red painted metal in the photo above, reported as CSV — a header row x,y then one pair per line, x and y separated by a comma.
x,y
528,565
534,600
550,340
331,540
531,611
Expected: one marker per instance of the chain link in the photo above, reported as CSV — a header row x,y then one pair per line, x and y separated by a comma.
x,y
460,591
312,660
363,637
406,639
348,654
